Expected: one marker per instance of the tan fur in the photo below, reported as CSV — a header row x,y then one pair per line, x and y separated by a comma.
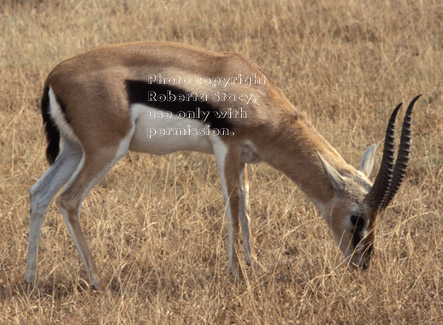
x,y
91,86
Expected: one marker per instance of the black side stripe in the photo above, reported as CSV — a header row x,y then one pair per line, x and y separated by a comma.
x,y
153,95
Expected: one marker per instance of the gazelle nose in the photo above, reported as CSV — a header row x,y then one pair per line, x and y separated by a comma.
x,y
365,265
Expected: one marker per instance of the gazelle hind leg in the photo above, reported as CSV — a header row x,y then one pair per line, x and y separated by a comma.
x,y
94,166
41,194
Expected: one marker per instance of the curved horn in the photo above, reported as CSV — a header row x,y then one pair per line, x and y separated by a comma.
x,y
379,190
402,157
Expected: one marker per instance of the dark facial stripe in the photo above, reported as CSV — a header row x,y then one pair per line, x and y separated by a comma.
x,y
356,238
358,223
369,250
176,101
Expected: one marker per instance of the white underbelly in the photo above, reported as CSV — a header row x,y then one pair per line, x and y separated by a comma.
x,y
160,132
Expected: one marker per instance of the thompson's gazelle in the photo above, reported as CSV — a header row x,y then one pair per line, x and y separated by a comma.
x,y
164,97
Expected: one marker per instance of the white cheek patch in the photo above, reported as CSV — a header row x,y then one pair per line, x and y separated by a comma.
x,y
364,233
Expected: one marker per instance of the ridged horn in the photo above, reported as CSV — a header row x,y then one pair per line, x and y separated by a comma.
x,y
379,190
401,163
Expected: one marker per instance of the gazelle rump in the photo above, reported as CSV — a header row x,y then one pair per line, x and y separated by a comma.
x,y
164,97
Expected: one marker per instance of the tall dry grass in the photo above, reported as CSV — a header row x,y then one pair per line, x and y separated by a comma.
x,y
155,224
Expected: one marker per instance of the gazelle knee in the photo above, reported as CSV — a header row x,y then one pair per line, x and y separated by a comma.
x,y
67,204
38,205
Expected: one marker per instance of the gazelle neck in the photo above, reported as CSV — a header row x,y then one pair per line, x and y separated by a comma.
x,y
293,149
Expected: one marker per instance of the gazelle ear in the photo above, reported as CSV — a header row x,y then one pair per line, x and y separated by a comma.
x,y
337,181
367,161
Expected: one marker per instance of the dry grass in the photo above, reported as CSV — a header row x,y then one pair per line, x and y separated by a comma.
x,y
155,224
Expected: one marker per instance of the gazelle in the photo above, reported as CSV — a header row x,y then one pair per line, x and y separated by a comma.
x,y
164,97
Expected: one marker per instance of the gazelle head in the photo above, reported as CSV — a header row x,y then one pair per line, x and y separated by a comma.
x,y
352,213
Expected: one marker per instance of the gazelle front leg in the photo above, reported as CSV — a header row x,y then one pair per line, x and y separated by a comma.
x,y
235,193
227,162
248,248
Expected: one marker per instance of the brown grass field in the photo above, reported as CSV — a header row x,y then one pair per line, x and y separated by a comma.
x,y
156,225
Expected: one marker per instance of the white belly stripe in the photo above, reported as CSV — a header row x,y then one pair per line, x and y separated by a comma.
x,y
160,132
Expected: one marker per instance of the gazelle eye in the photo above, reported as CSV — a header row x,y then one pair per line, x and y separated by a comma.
x,y
358,222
